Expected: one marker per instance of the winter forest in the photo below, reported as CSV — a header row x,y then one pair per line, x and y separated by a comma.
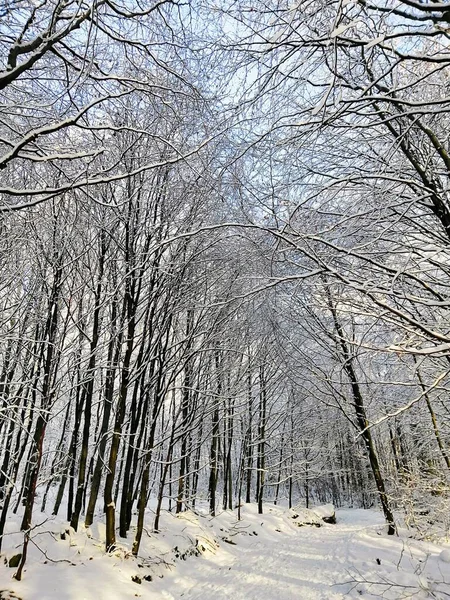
x,y
224,275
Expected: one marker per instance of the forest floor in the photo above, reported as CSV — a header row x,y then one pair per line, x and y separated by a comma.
x,y
261,557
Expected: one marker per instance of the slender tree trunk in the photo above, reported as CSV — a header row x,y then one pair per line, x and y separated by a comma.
x,y
88,389
185,413
228,461
41,423
213,455
250,439
114,346
58,455
110,507
262,437
167,469
361,418
437,434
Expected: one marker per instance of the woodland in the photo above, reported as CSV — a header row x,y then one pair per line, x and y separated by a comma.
x,y
225,260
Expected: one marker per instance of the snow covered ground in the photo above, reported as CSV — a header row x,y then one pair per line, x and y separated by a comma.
x,y
260,557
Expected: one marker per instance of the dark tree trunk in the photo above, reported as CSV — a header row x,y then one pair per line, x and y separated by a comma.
x,y
261,438
185,414
88,389
213,455
41,423
110,508
113,363
361,418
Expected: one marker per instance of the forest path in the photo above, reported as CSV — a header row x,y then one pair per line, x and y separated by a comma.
x,y
352,559
261,557
302,564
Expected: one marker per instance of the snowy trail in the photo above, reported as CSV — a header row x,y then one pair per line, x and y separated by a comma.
x,y
304,565
352,559
269,558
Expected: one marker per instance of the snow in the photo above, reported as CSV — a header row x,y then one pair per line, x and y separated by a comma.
x,y
445,555
304,516
326,511
261,557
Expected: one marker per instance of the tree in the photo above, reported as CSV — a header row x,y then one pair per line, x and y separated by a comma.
x,y
96,57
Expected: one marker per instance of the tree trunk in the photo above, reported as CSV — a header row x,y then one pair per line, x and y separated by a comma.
x,y
361,418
